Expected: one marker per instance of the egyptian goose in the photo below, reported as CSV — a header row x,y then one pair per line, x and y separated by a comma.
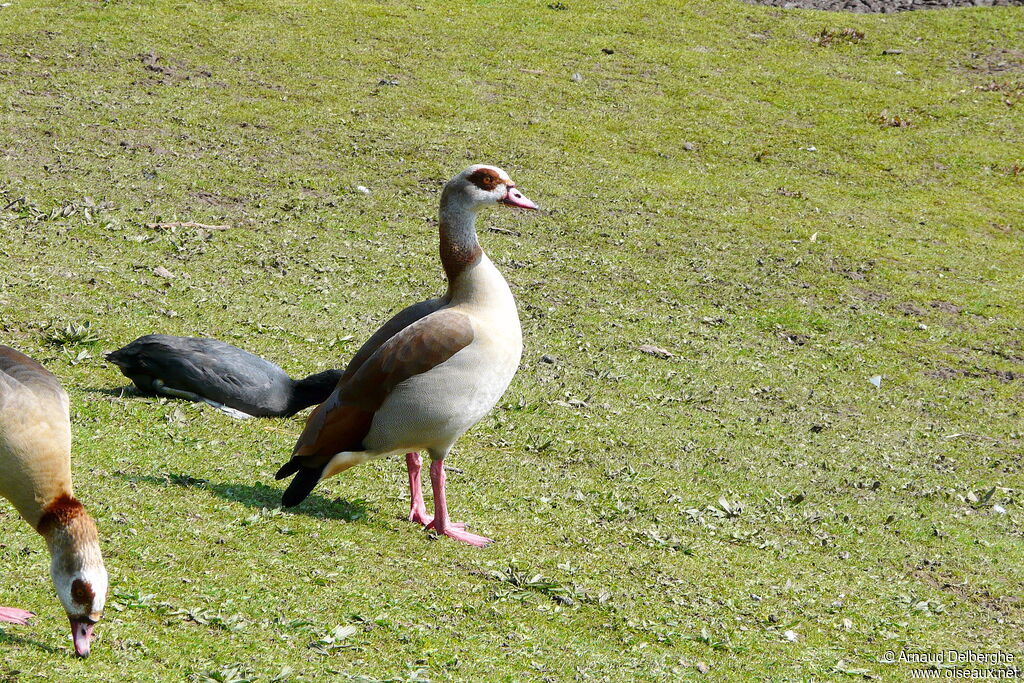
x,y
219,374
431,372
35,475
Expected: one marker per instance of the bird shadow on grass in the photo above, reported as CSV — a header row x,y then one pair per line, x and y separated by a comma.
x,y
260,496
120,392
129,392
8,638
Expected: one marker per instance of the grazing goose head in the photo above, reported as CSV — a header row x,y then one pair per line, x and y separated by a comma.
x,y
76,566
480,185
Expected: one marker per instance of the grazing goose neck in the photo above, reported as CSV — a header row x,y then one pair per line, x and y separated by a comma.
x,y
76,565
460,249
74,541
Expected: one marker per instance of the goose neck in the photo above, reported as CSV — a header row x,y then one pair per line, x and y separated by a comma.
x,y
460,249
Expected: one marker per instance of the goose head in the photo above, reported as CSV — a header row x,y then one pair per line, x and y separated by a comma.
x,y
481,185
77,571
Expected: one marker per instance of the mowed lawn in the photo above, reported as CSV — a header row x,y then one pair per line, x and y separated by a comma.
x,y
788,203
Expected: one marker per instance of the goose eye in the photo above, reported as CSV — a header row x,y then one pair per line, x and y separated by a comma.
x,y
82,592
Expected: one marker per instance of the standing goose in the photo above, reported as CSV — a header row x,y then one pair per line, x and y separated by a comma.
x,y
431,372
35,475
228,378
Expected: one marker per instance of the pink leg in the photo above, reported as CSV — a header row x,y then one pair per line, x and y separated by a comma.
x,y
441,523
417,509
13,615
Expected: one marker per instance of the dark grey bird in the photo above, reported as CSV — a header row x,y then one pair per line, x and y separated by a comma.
x,y
220,374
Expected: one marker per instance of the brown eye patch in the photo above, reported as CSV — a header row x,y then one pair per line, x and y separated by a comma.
x,y
485,178
81,592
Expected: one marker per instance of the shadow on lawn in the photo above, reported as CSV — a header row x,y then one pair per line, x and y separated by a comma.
x,y
260,496
8,638
124,391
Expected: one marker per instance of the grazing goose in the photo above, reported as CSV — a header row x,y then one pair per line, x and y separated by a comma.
x,y
431,372
220,374
35,475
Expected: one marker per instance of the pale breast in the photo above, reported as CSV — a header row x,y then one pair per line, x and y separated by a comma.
x,y
433,409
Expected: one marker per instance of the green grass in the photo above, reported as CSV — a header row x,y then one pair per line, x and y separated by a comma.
x,y
651,515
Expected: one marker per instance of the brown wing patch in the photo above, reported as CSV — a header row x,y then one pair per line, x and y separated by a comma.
x,y
24,369
344,420
10,358
418,348
341,429
485,178
407,316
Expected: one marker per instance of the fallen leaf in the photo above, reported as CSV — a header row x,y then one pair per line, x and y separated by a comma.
x,y
342,632
160,271
652,350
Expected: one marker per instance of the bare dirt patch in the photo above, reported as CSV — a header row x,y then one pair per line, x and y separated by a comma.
x,y
871,296
168,70
907,308
945,373
1006,605
795,338
997,61
213,199
946,307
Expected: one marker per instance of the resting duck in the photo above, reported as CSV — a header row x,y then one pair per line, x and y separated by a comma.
x,y
220,374
431,372
35,475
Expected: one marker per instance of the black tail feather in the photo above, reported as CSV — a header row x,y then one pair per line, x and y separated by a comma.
x,y
305,480
287,469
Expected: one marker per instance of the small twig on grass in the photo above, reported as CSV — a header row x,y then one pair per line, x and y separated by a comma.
x,y
504,231
186,224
